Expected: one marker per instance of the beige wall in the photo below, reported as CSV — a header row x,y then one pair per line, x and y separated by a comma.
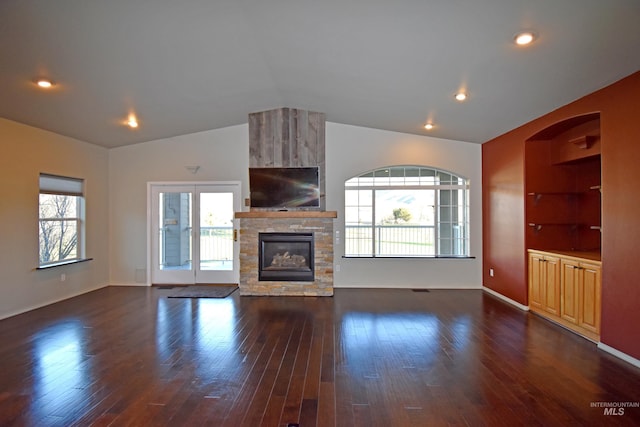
x,y
26,152
223,155
116,185
352,150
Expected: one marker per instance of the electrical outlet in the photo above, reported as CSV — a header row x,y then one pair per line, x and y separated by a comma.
x,y
63,277
491,272
337,267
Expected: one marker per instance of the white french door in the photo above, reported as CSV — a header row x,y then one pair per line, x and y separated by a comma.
x,y
193,233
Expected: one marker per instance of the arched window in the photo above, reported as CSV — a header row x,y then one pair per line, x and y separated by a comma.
x,y
406,211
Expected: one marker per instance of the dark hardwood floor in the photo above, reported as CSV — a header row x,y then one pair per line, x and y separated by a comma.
x,y
132,357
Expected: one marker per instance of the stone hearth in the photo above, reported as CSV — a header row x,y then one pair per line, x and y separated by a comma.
x,y
320,223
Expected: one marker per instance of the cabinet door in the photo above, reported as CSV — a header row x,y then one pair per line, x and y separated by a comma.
x,y
536,280
570,290
552,285
589,313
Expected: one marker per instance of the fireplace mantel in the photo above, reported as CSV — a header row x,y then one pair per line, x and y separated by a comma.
x,y
287,214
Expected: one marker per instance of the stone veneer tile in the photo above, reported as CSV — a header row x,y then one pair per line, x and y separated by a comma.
x,y
322,229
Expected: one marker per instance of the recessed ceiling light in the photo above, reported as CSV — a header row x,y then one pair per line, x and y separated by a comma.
x,y
524,38
461,96
428,126
131,121
44,83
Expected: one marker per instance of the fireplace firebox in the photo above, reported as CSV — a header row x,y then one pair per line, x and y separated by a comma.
x,y
285,257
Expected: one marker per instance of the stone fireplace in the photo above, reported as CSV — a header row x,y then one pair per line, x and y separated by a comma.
x,y
273,224
287,137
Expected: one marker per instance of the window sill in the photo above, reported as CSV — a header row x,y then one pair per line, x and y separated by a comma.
x,y
410,257
61,263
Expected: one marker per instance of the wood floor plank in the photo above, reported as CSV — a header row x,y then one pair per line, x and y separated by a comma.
x,y
275,405
365,357
264,389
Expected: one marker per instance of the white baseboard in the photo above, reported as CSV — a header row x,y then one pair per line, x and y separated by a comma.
x,y
417,286
53,301
505,299
144,285
617,353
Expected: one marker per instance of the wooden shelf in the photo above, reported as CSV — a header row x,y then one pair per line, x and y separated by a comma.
x,y
537,196
287,214
583,142
557,193
538,226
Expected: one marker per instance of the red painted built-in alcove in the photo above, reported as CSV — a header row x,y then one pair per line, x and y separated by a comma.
x,y
509,165
563,186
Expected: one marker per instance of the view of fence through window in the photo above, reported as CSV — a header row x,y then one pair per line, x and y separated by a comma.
x,y
59,225
406,211
216,248
216,231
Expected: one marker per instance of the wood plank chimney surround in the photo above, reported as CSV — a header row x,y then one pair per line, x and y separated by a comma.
x,y
287,137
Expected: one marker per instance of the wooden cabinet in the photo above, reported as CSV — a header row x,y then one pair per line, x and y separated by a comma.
x,y
570,289
566,289
544,279
536,281
590,302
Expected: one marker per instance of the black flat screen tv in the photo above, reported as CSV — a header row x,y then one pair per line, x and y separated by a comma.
x,y
284,188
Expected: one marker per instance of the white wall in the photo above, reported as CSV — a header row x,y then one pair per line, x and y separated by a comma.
x,y
27,152
223,155
352,150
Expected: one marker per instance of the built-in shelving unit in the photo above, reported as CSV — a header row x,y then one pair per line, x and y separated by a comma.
x,y
562,171
563,215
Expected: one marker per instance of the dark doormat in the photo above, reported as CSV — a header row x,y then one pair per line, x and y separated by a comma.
x,y
203,291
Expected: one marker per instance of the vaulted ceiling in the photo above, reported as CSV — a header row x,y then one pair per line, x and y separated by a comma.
x,y
192,65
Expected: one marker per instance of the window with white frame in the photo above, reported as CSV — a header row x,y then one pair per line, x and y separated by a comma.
x,y
61,220
407,211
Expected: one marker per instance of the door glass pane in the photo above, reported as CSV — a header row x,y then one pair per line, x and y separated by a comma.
x,y
175,231
216,231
